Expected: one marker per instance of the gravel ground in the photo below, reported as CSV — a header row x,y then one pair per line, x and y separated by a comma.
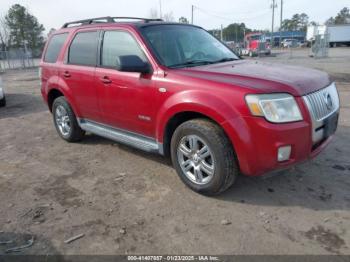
x,y
128,202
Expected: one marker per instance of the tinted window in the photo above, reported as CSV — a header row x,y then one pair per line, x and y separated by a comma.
x,y
118,43
83,49
54,47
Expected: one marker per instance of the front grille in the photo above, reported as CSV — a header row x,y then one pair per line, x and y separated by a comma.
x,y
323,103
262,46
323,106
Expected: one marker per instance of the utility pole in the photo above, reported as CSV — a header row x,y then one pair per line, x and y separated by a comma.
x,y
273,21
222,33
280,42
160,8
192,14
236,34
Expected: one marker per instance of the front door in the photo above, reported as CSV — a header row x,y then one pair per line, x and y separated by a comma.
x,y
126,98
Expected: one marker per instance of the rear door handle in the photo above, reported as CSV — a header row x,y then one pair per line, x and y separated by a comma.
x,y
106,80
66,74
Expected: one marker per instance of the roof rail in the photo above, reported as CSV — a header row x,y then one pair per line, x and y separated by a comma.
x,y
107,19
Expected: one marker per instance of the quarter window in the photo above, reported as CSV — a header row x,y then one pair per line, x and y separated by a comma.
x,y
83,49
54,47
118,43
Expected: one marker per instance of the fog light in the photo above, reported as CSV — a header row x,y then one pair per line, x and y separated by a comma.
x,y
284,153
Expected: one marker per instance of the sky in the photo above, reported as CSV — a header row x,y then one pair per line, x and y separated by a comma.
x,y
209,14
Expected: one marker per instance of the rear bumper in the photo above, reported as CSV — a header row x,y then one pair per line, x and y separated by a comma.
x,y
259,141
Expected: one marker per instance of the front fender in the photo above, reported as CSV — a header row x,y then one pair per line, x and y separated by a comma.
x,y
222,112
206,104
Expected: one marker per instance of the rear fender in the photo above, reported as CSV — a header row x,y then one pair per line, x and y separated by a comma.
x,y
61,86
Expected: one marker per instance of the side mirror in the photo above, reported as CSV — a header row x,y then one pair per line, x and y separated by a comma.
x,y
132,63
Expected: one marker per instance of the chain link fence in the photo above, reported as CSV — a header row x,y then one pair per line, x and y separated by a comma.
x,y
18,59
320,47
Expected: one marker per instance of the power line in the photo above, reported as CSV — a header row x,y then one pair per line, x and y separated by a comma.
x,y
232,13
213,14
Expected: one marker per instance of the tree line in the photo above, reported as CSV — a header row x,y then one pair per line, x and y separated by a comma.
x,y
21,30
298,22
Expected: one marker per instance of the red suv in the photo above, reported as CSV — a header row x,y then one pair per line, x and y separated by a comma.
x,y
176,90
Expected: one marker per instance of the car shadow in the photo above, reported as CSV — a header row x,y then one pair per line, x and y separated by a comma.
x,y
320,184
21,104
91,139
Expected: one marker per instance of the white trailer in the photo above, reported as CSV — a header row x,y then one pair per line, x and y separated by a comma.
x,y
314,30
338,34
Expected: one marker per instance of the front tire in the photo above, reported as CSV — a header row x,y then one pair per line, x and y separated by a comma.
x,y
65,121
203,157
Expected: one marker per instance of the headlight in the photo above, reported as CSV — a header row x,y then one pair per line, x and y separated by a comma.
x,y
276,108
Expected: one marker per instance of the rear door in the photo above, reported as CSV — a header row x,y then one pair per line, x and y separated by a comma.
x,y
127,99
79,70
48,66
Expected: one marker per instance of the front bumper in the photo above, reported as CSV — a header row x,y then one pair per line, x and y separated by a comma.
x,y
256,141
258,154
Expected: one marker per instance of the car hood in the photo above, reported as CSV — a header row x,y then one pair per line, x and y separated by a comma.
x,y
263,76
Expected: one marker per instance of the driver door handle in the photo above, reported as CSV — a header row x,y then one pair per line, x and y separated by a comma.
x,y
66,74
106,80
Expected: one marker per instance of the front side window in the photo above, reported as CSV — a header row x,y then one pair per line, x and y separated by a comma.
x,y
54,47
83,50
119,43
183,46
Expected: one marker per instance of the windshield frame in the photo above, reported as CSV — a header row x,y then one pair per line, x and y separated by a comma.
x,y
159,59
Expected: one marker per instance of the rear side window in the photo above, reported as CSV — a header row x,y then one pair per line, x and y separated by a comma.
x,y
54,47
83,50
118,43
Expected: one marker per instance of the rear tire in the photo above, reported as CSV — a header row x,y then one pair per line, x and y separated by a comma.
x,y
3,102
210,170
65,121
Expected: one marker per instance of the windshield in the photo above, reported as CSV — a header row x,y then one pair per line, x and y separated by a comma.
x,y
255,37
179,46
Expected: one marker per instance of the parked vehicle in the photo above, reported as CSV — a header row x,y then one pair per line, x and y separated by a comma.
x,y
255,44
2,95
289,43
337,34
175,90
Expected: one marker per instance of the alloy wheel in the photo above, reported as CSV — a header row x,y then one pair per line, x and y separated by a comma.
x,y
196,159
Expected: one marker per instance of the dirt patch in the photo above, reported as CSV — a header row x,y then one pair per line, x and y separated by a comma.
x,y
59,190
340,77
24,244
129,202
329,240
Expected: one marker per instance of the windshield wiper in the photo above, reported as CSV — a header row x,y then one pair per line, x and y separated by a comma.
x,y
226,59
202,62
191,63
